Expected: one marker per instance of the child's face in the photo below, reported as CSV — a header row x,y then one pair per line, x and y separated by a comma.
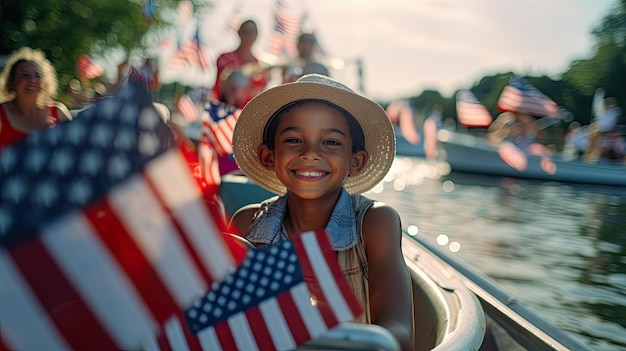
x,y
312,155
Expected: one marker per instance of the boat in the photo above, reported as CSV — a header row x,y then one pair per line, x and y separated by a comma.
x,y
456,308
406,148
474,154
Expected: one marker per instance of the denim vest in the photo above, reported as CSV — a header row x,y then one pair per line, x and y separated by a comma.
x,y
345,231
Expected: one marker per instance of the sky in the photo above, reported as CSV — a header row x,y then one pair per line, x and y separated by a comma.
x,y
407,46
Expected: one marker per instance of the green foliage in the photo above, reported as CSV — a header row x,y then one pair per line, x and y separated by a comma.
x,y
67,29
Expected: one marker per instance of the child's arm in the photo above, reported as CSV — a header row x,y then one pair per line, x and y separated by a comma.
x,y
391,302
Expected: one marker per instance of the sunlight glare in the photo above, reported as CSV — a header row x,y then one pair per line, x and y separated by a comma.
x,y
455,246
448,186
442,239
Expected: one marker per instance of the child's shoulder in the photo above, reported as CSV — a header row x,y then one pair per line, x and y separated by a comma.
x,y
381,221
382,211
243,217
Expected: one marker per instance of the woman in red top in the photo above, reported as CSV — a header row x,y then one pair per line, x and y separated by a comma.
x,y
28,83
242,58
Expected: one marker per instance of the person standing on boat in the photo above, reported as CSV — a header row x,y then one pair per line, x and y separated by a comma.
x,y
244,59
432,125
28,84
319,144
606,140
306,62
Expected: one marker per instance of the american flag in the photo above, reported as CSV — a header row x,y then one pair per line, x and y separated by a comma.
x,y
470,112
190,55
280,297
87,68
520,96
191,104
104,237
401,111
287,23
188,108
218,124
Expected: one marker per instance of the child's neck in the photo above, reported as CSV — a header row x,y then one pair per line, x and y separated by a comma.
x,y
305,215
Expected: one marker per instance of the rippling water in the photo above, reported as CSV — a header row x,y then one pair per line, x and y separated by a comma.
x,y
558,248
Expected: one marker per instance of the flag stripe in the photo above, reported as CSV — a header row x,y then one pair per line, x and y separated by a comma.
x,y
336,279
470,112
193,254
262,335
219,134
278,327
58,297
158,240
147,282
309,310
179,336
208,339
184,202
513,156
24,325
293,318
520,96
163,342
81,255
225,337
187,108
304,246
243,337
209,164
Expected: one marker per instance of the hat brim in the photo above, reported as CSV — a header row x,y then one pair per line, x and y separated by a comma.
x,y
380,143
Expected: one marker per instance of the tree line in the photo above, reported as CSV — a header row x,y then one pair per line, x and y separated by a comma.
x,y
574,89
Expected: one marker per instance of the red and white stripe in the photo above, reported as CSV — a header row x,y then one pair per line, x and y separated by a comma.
x,y
188,108
283,40
88,69
512,155
209,165
292,318
514,100
219,134
189,55
470,112
117,274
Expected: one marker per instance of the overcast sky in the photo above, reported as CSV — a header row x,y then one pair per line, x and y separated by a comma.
x,y
411,45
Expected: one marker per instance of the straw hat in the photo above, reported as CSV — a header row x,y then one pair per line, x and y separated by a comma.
x,y
380,142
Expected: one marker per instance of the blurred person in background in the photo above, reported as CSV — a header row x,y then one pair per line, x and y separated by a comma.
x,y
244,59
28,85
306,62
606,140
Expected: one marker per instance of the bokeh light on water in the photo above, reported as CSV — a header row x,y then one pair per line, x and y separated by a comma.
x,y
557,248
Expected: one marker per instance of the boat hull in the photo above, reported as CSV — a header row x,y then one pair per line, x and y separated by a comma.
x,y
471,154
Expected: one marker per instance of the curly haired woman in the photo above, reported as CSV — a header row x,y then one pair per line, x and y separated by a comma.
x,y
28,85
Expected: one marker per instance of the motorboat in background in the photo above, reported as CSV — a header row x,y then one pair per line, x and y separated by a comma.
x,y
473,154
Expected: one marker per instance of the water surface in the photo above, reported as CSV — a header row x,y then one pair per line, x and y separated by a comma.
x,y
560,249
